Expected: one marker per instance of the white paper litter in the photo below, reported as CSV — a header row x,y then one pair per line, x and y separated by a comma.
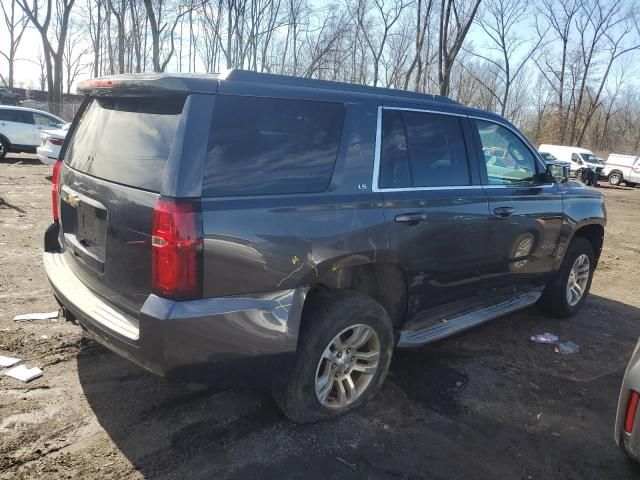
x,y
7,362
23,373
36,316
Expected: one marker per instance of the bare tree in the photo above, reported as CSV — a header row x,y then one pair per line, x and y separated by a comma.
x,y
94,16
74,58
118,9
423,16
384,16
53,53
15,23
164,30
560,15
607,24
500,20
455,20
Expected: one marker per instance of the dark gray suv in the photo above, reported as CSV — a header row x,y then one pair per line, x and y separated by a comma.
x,y
262,229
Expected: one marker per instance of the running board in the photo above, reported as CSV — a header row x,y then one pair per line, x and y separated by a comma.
x,y
425,331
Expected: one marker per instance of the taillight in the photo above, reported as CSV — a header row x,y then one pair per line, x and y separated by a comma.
x,y
176,249
632,409
55,188
56,141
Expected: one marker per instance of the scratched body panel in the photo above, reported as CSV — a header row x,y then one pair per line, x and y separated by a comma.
x,y
258,244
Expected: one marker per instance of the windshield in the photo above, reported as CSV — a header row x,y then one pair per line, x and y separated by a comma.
x,y
589,158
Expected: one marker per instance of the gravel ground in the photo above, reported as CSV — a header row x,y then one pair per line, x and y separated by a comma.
x,y
487,404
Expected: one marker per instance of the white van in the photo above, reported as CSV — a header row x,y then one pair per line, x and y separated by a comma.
x,y
622,168
576,157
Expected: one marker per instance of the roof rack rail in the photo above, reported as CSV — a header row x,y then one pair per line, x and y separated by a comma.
x,y
172,83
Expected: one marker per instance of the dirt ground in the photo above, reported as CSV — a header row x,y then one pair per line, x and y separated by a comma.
x,y
487,404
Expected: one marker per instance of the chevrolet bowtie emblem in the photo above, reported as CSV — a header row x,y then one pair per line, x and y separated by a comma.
x,y
73,200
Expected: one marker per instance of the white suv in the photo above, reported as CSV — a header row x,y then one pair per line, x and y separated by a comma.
x,y
20,128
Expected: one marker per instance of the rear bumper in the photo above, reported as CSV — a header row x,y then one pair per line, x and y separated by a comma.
x,y
46,155
630,442
249,339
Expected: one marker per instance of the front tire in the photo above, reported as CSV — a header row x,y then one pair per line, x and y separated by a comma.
x,y
567,293
344,354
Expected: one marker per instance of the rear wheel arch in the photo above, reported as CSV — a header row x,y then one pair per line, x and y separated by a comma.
x,y
330,313
383,282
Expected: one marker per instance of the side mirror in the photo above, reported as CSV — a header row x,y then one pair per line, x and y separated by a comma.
x,y
558,173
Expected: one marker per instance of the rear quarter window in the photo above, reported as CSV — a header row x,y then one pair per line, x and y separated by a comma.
x,y
265,146
126,140
18,116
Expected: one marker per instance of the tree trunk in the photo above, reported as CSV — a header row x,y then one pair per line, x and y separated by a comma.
x,y
155,36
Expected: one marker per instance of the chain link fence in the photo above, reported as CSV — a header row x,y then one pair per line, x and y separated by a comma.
x,y
66,110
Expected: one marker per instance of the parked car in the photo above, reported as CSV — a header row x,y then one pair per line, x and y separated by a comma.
x,y
622,168
578,158
51,142
627,432
20,128
8,97
263,229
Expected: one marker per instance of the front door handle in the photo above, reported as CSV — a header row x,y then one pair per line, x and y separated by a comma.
x,y
411,218
503,211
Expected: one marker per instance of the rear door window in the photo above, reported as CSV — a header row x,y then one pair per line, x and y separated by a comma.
x,y
264,146
18,116
126,140
6,115
422,150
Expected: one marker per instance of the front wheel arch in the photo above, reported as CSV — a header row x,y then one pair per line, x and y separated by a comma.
x,y
594,233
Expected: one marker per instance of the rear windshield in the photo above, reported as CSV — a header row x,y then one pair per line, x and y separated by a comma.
x,y
263,146
126,140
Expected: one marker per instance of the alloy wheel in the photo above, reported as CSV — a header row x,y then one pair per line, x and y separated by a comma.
x,y
347,366
578,279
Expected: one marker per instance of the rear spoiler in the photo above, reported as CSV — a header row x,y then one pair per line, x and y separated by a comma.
x,y
154,84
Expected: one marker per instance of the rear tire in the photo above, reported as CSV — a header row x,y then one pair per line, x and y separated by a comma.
x,y
318,388
615,179
560,298
4,148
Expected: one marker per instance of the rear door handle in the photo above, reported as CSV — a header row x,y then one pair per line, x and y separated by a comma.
x,y
411,218
503,211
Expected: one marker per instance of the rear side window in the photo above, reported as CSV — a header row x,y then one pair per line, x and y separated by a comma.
x,y
422,150
19,116
264,146
126,140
